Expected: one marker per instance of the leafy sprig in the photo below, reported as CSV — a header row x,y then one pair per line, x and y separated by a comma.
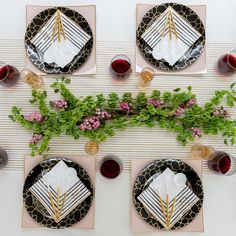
x,y
68,120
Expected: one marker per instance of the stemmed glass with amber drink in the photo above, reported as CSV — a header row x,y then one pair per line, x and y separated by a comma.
x,y
91,147
200,151
29,77
146,76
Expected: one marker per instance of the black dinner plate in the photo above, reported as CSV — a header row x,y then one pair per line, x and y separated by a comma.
x,y
177,166
36,209
194,51
34,54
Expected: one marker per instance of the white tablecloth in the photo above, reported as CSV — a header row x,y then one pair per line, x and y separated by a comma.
x,y
116,22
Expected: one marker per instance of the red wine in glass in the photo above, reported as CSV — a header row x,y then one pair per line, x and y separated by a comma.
x,y
9,75
227,63
110,166
222,163
121,66
3,158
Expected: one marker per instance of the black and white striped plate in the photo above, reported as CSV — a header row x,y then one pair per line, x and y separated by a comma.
x,y
193,182
194,51
39,213
36,43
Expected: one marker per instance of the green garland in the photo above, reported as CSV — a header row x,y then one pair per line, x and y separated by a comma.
x,y
100,117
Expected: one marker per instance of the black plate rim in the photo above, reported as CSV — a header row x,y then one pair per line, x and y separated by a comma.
x,y
91,188
70,67
134,195
162,64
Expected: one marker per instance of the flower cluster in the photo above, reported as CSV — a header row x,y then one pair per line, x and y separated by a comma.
x,y
94,122
179,111
102,115
196,132
125,106
60,104
222,112
90,123
35,138
155,102
191,102
34,116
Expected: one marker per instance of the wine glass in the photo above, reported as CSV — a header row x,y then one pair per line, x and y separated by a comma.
x,y
121,66
222,163
9,75
110,166
3,158
146,76
227,63
31,78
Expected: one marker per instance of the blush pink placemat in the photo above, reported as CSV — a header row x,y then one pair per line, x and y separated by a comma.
x,y
89,13
198,67
138,225
89,164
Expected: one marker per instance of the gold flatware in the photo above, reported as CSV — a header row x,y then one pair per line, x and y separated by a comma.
x,y
165,26
53,206
58,27
62,27
57,210
170,24
163,211
172,210
167,209
63,202
174,26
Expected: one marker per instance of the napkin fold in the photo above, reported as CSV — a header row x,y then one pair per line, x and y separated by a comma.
x,y
60,191
170,41
180,199
164,184
60,50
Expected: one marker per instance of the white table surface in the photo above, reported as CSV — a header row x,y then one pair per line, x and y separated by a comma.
x,y
116,22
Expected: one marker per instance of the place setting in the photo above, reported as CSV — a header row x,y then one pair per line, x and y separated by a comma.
x,y
167,194
59,192
171,38
51,40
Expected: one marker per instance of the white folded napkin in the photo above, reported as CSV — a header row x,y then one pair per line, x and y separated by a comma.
x,y
61,52
64,50
60,191
164,47
180,197
61,176
164,184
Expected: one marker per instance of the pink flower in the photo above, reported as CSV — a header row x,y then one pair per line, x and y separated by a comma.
x,y
196,132
34,116
125,106
102,115
60,103
191,102
179,111
155,102
90,123
221,112
35,138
